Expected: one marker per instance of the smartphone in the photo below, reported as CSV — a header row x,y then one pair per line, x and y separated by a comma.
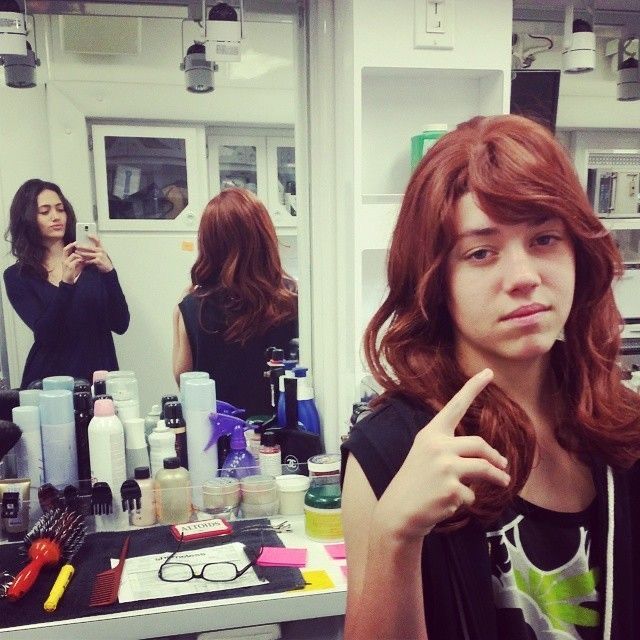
x,y
83,229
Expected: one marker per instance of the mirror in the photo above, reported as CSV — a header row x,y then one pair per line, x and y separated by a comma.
x,y
102,75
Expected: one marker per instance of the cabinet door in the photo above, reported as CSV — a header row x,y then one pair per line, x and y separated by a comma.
x,y
238,161
148,177
281,160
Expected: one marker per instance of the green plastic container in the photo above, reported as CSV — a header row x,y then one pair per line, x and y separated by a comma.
x,y
422,142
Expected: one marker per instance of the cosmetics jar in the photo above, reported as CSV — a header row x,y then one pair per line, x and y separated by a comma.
x,y
322,509
221,496
291,491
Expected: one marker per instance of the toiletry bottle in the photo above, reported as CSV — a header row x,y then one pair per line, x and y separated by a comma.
x,y
136,452
164,400
190,375
106,446
173,493
151,421
239,463
199,400
270,455
51,383
58,430
30,397
123,387
174,420
29,463
82,409
99,386
162,444
422,142
146,515
307,411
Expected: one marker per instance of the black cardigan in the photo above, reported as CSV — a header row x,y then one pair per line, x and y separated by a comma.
x,y
456,570
71,323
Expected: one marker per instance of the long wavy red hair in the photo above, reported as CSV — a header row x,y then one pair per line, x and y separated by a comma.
x,y
518,173
238,263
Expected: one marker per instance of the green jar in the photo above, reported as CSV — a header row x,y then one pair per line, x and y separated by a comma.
x,y
322,511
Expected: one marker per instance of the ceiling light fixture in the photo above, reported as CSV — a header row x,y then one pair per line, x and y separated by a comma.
x,y
628,80
198,72
224,31
20,71
579,44
13,29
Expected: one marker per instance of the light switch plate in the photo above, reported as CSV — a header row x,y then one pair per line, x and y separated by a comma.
x,y
428,34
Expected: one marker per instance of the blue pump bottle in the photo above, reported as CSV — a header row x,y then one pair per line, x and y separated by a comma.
x,y
308,416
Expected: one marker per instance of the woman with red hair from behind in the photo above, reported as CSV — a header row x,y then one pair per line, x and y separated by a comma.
x,y
240,302
493,492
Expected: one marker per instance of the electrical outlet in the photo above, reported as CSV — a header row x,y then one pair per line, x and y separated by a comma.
x,y
434,23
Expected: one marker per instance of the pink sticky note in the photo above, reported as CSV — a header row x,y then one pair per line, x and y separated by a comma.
x,y
336,551
282,557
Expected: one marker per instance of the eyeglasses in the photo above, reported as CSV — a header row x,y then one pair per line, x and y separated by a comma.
x,y
211,572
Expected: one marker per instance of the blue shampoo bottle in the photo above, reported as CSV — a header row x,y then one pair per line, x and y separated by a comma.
x,y
238,463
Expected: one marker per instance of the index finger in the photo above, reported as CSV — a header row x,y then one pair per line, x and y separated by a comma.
x,y
69,249
450,415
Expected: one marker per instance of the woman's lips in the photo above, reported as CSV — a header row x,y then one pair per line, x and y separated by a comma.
x,y
525,311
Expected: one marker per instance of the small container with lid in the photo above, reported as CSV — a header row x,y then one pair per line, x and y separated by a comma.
x,y
322,501
259,496
173,493
221,496
291,491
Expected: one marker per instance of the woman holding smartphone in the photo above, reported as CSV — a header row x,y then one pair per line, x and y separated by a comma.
x,y
68,295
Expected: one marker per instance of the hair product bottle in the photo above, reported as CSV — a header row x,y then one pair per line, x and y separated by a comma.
x,y
136,452
58,430
162,444
174,420
82,409
146,516
106,446
239,463
173,493
199,400
151,421
270,455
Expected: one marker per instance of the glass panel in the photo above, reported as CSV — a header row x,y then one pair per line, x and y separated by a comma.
x,y
238,167
146,177
287,178
628,241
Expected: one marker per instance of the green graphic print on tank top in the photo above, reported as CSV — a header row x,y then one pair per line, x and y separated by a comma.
x,y
545,584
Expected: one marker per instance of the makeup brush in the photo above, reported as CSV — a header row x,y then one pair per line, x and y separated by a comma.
x,y
10,433
57,535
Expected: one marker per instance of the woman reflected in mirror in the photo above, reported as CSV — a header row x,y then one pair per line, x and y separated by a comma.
x,y
68,295
492,493
239,303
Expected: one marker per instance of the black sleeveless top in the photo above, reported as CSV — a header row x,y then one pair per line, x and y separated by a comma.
x,y
236,368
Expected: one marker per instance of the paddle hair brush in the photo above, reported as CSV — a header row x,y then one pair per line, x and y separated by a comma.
x,y
56,535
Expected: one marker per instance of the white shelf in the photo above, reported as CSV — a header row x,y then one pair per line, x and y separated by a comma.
x,y
621,224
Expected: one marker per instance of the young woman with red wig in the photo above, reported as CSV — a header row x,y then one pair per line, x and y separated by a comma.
x,y
493,493
240,302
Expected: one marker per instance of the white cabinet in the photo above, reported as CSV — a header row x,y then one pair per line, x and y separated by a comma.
x,y
264,164
149,178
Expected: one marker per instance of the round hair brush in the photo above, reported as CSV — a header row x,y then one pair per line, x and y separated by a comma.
x,y
10,433
57,535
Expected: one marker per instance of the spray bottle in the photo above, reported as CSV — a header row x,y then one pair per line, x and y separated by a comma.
x,y
307,411
239,463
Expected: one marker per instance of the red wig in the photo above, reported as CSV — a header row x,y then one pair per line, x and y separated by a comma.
x,y
238,262
518,173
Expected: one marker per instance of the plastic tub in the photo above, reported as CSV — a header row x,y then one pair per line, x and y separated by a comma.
x,y
291,491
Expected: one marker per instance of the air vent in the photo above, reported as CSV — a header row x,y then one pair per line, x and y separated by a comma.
x,y
100,35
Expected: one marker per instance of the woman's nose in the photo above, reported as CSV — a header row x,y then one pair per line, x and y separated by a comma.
x,y
521,272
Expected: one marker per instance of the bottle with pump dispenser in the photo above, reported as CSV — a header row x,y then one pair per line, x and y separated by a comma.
x,y
173,493
146,515
162,444
308,416
106,446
